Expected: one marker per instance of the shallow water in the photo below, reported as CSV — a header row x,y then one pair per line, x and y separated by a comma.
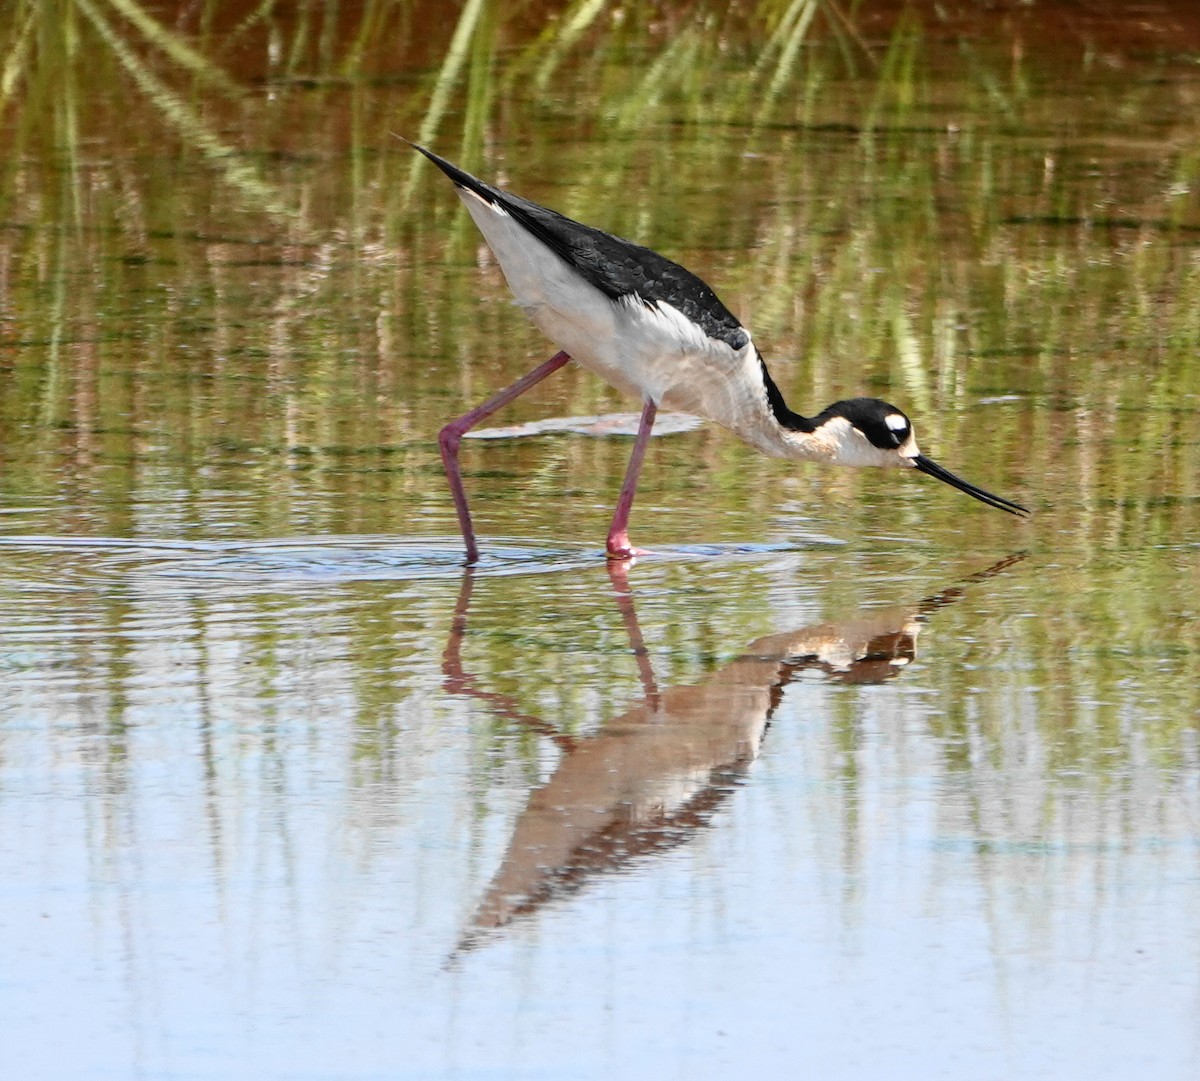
x,y
850,776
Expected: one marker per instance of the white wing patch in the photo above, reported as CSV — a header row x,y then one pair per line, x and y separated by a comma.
x,y
668,321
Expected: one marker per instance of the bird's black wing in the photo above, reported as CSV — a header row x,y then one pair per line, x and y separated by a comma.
x,y
618,268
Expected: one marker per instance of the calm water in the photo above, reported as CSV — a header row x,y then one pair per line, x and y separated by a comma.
x,y
851,778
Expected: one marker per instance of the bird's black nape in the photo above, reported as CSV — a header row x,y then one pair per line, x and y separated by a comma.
x,y
925,465
792,422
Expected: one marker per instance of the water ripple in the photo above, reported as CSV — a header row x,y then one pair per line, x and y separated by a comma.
x,y
83,562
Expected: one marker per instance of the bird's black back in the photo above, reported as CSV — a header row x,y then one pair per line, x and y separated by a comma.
x,y
618,268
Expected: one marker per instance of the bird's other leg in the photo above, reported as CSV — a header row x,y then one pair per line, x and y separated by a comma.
x,y
451,436
618,533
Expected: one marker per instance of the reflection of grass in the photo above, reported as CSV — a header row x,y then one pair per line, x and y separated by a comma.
x,y
55,51
174,109
181,54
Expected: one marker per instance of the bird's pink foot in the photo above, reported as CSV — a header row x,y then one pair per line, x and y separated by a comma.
x,y
621,550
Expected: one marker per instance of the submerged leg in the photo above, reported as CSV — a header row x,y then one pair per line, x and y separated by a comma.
x,y
451,436
618,533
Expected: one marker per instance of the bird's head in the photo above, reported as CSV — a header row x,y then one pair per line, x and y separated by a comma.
x,y
867,431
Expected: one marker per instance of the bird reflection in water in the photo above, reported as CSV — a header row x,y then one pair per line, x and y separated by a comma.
x,y
653,776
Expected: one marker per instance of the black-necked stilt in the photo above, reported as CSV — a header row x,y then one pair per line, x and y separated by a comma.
x,y
655,331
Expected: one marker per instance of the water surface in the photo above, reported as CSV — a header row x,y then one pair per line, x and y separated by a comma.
x,y
851,777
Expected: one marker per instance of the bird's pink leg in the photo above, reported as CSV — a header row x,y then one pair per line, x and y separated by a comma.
x,y
451,436
618,533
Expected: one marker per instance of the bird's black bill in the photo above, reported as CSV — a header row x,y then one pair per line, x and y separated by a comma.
x,y
935,470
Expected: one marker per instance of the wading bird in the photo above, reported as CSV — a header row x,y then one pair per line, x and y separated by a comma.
x,y
658,333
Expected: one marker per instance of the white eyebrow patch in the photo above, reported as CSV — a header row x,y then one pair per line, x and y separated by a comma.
x,y
896,422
